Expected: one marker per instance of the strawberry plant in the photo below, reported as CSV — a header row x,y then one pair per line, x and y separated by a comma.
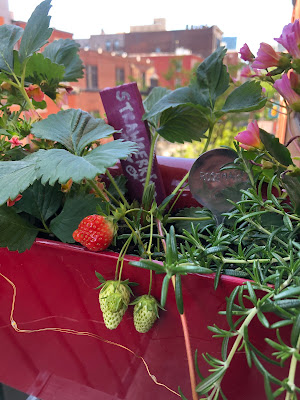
x,y
61,185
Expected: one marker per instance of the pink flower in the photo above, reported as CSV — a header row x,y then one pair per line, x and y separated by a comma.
x,y
246,53
10,202
250,139
34,92
290,38
61,98
15,142
247,72
266,57
284,87
31,115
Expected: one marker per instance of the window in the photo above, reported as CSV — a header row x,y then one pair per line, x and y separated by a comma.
x,y
91,76
120,76
116,44
108,45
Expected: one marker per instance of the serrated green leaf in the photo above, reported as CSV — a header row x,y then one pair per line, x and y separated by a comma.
x,y
37,31
16,176
275,148
15,233
46,74
74,129
9,35
212,79
65,52
173,99
246,97
61,165
183,123
75,209
41,201
155,95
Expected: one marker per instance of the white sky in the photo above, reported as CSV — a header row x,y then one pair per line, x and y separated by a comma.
x,y
251,21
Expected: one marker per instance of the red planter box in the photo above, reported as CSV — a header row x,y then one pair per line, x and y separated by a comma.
x,y
55,288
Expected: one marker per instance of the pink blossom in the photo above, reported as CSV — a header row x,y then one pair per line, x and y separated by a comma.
x,y
15,142
10,202
246,53
61,98
284,87
250,139
247,72
34,92
266,57
290,38
32,115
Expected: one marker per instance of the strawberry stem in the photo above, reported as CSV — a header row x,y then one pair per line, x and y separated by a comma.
x,y
114,183
125,248
121,255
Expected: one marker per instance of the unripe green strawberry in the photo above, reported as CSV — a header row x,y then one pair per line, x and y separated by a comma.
x,y
114,298
145,313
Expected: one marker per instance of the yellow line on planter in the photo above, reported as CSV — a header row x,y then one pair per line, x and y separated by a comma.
x,y
78,333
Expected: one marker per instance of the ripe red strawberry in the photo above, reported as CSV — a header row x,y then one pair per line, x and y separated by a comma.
x,y
94,232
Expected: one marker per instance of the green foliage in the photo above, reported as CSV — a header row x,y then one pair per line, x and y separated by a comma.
x,y
74,129
65,52
15,233
75,209
9,35
36,32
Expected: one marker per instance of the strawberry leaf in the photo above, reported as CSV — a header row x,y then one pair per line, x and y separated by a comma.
x,y
16,176
275,148
46,74
9,35
212,78
58,165
41,201
36,32
184,123
65,52
15,232
247,97
74,129
75,209
155,95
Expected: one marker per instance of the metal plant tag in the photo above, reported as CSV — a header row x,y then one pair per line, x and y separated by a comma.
x,y
211,186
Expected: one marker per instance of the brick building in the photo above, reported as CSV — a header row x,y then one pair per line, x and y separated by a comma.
x,y
201,41
173,70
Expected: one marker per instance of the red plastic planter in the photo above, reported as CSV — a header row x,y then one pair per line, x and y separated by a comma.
x,y
55,288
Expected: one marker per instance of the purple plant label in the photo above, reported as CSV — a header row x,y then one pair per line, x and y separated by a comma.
x,y
124,110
